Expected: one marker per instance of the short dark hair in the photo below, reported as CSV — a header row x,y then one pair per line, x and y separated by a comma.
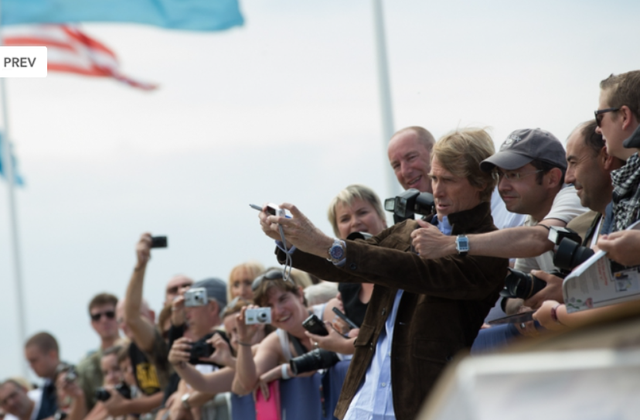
x,y
103,299
44,341
591,138
545,167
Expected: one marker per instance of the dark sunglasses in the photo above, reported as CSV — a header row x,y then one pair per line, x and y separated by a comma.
x,y
107,314
269,275
599,114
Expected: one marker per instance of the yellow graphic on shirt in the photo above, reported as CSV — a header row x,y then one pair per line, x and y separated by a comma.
x,y
147,377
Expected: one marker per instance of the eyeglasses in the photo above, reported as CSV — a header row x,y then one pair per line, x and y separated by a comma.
x,y
599,114
516,176
269,275
108,314
174,290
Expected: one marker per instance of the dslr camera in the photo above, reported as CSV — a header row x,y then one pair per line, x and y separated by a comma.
x,y
408,203
568,254
314,360
122,388
195,297
257,316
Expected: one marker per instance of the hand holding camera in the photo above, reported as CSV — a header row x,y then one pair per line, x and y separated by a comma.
x,y
246,332
144,245
180,352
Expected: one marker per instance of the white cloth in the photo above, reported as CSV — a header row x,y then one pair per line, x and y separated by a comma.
x,y
566,206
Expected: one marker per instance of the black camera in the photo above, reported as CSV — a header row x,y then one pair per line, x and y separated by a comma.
x,y
408,203
313,360
568,253
122,388
158,242
69,371
203,349
523,285
359,235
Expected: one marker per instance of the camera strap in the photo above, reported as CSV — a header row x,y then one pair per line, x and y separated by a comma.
x,y
297,345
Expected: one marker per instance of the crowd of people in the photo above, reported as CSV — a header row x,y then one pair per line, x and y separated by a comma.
x,y
396,303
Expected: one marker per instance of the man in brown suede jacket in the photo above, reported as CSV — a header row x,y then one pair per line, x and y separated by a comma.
x,y
422,312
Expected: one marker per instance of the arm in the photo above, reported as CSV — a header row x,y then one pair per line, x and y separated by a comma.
x,y
565,321
212,383
143,331
248,369
516,242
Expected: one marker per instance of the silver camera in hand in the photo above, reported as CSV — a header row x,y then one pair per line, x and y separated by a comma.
x,y
257,316
196,296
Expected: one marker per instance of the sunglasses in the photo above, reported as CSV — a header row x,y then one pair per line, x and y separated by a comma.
x,y
599,114
107,314
269,275
174,290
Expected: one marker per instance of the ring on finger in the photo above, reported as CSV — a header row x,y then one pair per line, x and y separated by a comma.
x,y
523,325
315,344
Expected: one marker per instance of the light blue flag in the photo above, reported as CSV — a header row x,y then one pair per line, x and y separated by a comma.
x,y
17,179
191,15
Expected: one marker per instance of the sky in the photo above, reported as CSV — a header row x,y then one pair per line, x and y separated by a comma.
x,y
283,109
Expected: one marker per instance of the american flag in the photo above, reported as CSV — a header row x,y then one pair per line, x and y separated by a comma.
x,y
72,51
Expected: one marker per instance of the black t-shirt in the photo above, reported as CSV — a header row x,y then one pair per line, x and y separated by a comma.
x,y
354,309
145,373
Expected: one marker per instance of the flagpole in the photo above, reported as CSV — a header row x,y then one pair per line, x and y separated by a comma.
x,y
7,164
384,91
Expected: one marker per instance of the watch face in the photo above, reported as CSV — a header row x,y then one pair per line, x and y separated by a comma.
x,y
463,244
337,253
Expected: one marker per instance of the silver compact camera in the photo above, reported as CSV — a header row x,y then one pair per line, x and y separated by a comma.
x,y
257,316
195,297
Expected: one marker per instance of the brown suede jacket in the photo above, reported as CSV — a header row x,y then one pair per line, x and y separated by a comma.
x,y
443,306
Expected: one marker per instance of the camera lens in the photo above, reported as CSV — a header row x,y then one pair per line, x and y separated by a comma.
x,y
313,360
262,316
521,285
569,254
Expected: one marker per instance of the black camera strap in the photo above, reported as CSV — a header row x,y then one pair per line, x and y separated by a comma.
x,y
297,345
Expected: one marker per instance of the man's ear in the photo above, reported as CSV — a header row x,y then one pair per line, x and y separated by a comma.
x,y
628,118
554,177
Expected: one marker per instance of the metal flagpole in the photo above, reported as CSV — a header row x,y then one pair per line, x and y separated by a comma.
x,y
385,92
7,165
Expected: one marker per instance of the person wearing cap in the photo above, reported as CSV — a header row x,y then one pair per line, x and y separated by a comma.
x,y
530,165
618,119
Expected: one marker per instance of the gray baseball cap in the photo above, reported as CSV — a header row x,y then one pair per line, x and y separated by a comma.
x,y
633,142
215,288
523,146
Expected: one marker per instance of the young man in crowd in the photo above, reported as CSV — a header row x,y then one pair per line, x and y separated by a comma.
x,y
102,314
43,354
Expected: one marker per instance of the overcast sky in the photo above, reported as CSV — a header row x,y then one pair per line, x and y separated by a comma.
x,y
284,108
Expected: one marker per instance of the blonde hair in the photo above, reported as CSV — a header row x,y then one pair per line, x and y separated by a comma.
x,y
253,267
347,196
461,151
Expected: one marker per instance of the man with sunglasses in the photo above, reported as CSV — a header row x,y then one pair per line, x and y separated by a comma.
x,y
102,313
618,119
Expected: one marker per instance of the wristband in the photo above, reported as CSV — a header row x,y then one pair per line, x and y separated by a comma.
x,y
244,344
554,314
285,372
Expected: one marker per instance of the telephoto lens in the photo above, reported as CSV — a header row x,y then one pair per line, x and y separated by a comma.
x,y
570,254
313,360
521,285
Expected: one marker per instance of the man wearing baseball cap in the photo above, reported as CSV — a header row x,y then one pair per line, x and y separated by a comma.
x,y
530,165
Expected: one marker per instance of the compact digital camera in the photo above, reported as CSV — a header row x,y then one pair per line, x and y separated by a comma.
x,y
196,296
257,316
